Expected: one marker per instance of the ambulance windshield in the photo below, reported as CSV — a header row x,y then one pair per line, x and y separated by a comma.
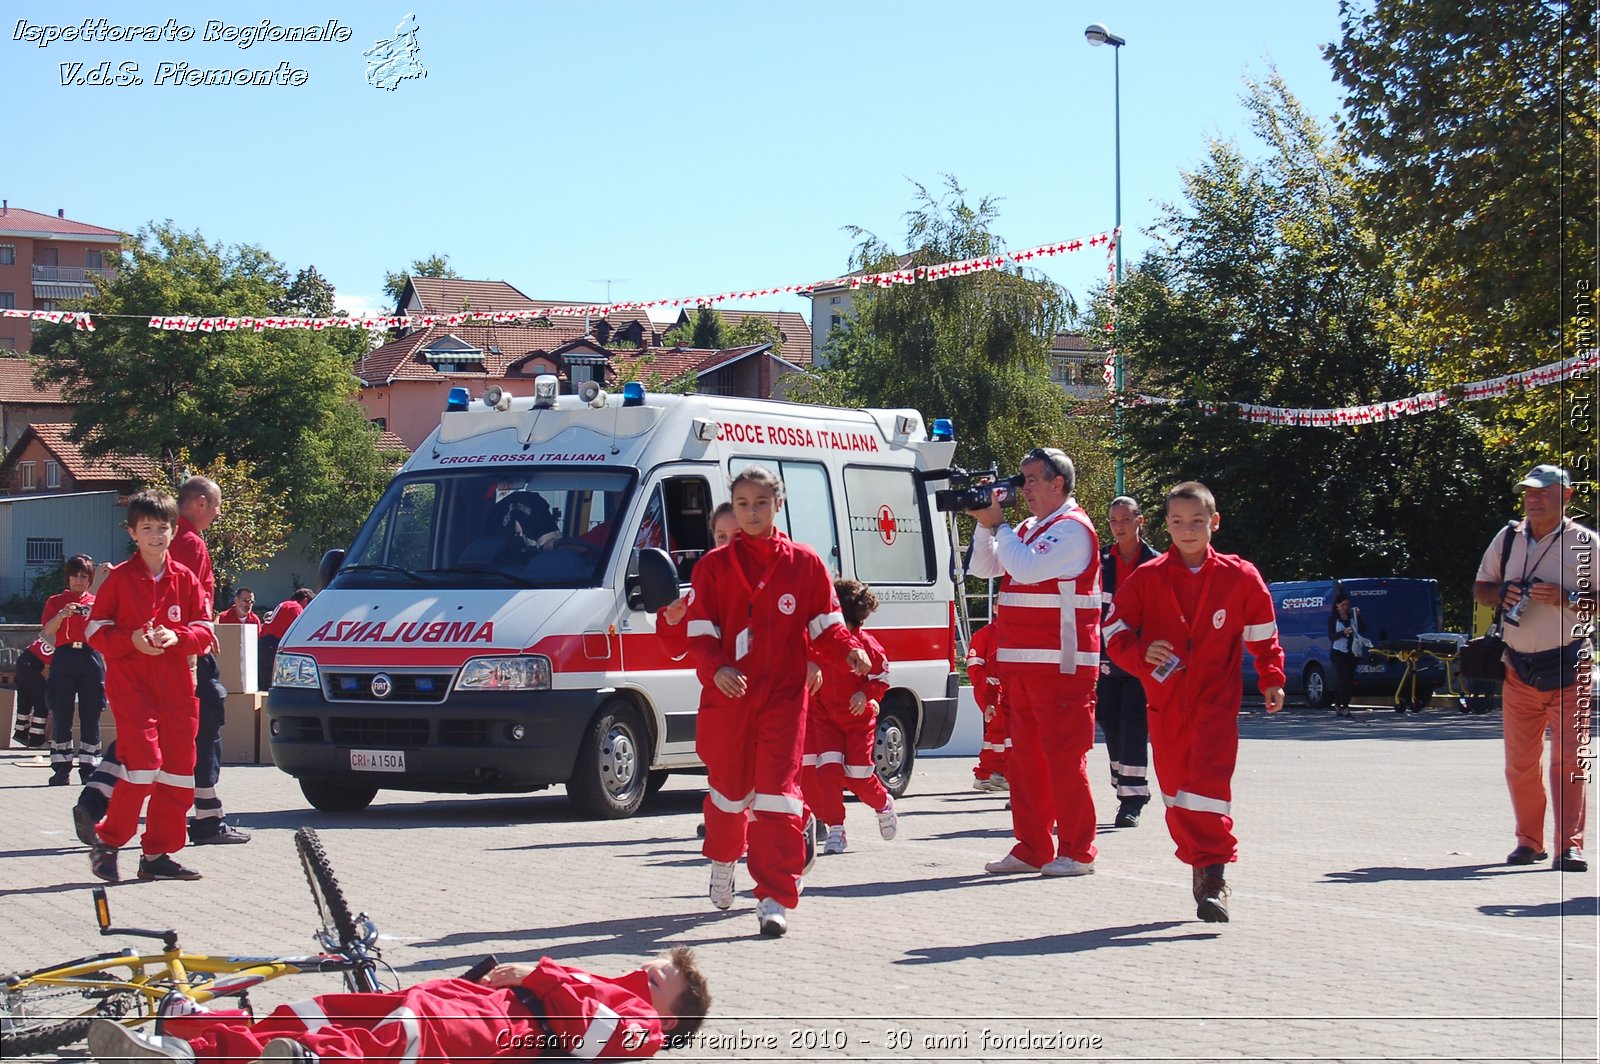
x,y
529,526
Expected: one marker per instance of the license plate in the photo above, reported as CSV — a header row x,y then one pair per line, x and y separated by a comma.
x,y
378,760
1380,667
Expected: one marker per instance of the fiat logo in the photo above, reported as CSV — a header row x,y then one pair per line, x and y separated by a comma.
x,y
382,685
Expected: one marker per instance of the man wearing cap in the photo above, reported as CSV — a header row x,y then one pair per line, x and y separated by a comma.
x,y
1545,590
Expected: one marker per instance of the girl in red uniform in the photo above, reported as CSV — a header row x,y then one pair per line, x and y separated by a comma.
x,y
77,674
754,609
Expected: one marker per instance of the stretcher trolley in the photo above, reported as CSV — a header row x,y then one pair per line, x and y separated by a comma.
x,y
1414,689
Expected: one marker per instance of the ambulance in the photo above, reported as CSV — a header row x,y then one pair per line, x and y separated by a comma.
x,y
491,628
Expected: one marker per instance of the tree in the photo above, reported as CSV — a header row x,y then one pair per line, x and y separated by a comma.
x,y
309,295
434,265
254,526
283,400
752,330
1267,288
1474,121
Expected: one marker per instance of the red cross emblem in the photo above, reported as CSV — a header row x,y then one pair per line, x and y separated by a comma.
x,y
887,529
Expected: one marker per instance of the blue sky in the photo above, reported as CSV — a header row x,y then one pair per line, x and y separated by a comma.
x,y
678,148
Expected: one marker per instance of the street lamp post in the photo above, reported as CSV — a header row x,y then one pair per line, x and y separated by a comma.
x,y
1097,34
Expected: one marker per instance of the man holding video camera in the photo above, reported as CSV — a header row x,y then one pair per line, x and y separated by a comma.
x,y
1048,657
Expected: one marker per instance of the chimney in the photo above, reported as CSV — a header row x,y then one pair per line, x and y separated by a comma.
x,y
5,206
61,212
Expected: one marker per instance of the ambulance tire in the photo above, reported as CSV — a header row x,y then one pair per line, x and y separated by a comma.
x,y
612,772
1317,694
658,779
894,752
337,796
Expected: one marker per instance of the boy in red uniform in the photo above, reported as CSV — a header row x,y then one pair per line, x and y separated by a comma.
x,y
989,774
519,1010
149,617
754,609
77,675
842,726
1181,623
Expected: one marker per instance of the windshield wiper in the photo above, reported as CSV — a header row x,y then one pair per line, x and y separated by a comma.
x,y
383,567
487,570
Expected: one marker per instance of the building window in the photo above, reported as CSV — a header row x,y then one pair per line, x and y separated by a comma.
x,y
95,260
380,423
8,301
45,255
833,301
45,551
8,343
44,304
27,476
8,254
52,474
833,322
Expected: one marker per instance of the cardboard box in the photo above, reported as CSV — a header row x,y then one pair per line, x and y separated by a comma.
x,y
241,729
236,657
8,715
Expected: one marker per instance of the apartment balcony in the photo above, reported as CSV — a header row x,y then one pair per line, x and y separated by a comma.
x,y
71,274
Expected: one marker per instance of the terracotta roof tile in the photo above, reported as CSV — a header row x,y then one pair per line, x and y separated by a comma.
x,y
17,221
403,359
115,467
16,383
1065,342
791,325
447,295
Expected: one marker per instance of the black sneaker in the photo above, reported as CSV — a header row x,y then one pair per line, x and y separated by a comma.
x,y
61,777
1525,855
83,821
1570,860
1127,816
163,866
226,835
1211,894
103,862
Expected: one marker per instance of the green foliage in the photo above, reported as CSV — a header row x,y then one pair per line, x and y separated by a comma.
x,y
254,526
751,331
434,265
708,330
281,400
1267,288
1475,124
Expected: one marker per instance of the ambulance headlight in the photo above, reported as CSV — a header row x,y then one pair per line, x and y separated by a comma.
x,y
295,670
522,672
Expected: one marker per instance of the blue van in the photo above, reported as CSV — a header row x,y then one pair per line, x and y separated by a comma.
x,y
1393,609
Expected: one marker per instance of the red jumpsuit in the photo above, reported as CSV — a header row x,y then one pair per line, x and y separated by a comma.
x,y
152,698
585,1016
231,616
757,605
1209,617
988,692
674,637
842,742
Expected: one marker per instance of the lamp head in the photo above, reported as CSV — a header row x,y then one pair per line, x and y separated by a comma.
x,y
1097,34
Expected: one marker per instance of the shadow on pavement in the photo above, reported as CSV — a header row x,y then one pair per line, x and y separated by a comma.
x,y
410,809
637,935
1075,942
1570,907
1452,873
1367,723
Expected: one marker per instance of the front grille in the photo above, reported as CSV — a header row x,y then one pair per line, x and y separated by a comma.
x,y
407,686
298,729
463,733
377,731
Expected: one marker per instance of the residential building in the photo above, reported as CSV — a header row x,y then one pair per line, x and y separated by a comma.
x,y
753,371
39,531
45,461
1076,366
795,334
46,261
22,402
451,295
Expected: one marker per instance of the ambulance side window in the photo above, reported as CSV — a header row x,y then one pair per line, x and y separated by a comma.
x,y
675,520
807,515
887,526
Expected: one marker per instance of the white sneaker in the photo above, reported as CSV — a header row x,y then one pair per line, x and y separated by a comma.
x,y
1010,864
1066,866
980,783
836,840
722,883
998,782
286,1049
888,820
774,918
109,1040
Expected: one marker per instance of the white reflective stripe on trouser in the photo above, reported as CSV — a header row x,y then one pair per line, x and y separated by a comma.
x,y
1200,803
1168,800
172,779
695,628
413,1028
310,1013
778,803
1134,771
140,775
829,757
598,1033
730,805
1256,632
998,748
822,622
858,772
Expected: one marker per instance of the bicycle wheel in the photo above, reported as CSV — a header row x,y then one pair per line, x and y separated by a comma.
x,y
337,922
39,1017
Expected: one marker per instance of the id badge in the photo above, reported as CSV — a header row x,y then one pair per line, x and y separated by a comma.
x,y
741,645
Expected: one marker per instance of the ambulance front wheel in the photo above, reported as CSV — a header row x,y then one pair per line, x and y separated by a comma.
x,y
337,796
896,748
613,769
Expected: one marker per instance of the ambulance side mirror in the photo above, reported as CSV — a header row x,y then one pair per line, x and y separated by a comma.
x,y
329,566
652,580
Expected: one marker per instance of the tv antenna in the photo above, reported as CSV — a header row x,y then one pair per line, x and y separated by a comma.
x,y
608,282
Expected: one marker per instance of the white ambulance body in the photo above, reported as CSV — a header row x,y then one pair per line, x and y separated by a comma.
x,y
486,631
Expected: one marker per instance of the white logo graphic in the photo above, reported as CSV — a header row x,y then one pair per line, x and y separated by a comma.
x,y
786,604
393,61
174,613
382,685
690,600
1219,618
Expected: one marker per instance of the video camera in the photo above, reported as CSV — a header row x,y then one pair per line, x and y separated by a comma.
x,y
964,494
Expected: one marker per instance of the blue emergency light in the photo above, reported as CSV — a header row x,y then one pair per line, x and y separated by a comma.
x,y
459,398
633,394
944,430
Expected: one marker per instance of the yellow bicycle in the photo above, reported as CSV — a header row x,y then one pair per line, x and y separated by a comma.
x,y
52,1007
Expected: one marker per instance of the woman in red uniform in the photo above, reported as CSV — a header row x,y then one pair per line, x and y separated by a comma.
x,y
764,599
77,675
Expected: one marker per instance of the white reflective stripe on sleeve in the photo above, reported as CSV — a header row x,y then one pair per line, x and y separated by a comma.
x,y
1020,655
94,626
830,757
209,626
141,775
1105,598
174,780
703,628
858,772
778,803
1112,629
413,1028
1256,632
730,805
1200,803
808,759
599,1032
973,659
309,1012
822,622
880,677
1028,599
